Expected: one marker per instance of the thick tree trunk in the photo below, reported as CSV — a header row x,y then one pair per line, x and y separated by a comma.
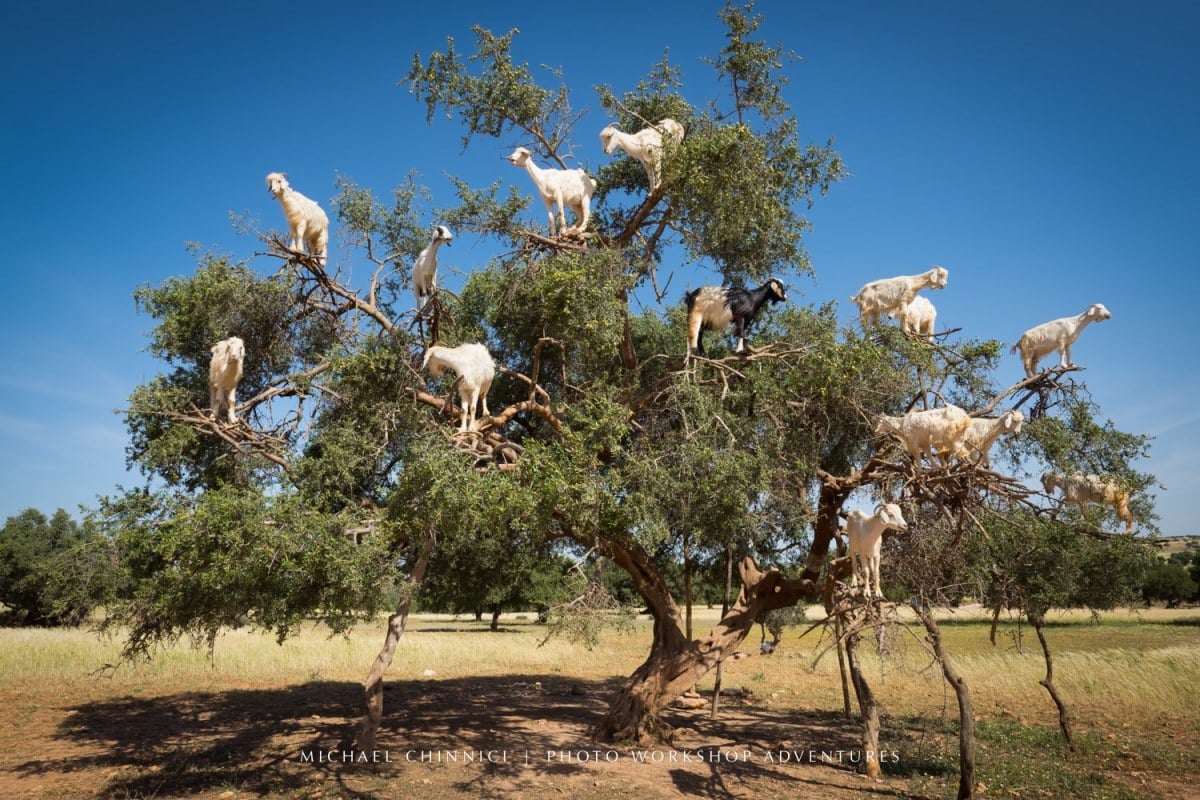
x,y
824,529
675,664
867,706
966,721
495,626
373,685
1064,719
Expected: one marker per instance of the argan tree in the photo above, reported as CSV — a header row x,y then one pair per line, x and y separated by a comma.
x,y
345,474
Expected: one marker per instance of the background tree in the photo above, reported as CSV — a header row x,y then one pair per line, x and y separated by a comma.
x,y
1170,584
1033,566
54,571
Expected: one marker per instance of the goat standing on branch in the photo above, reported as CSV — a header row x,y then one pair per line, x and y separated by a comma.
x,y
984,432
889,295
1037,343
939,432
864,542
307,222
564,188
424,271
1083,489
475,369
918,317
646,146
224,372
714,308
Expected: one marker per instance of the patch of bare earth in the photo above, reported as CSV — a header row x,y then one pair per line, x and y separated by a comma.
x,y
508,737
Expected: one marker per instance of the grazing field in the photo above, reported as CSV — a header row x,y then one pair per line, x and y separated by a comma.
x,y
471,713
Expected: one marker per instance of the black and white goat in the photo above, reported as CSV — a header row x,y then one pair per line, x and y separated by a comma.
x,y
715,307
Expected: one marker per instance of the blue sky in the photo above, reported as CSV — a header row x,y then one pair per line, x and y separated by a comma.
x,y
1043,152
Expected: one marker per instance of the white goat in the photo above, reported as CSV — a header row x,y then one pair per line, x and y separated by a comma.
x,y
889,295
918,317
307,222
424,271
645,146
565,188
475,369
864,540
940,431
1037,343
984,432
1083,489
224,372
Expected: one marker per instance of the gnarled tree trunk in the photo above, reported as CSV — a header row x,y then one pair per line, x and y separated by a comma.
x,y
675,663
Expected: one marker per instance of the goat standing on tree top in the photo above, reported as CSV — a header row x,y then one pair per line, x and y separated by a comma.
x,y
714,308
933,433
1083,489
1039,342
424,271
475,369
564,188
224,372
306,221
645,146
985,431
890,295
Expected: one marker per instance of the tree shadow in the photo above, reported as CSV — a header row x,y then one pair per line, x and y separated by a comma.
x,y
284,739
805,754
480,628
472,734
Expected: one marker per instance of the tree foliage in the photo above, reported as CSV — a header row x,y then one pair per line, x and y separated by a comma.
x,y
344,474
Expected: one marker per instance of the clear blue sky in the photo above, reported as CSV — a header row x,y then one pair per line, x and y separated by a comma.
x,y
1044,152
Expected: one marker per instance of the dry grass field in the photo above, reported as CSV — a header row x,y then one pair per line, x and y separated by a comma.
x,y
504,717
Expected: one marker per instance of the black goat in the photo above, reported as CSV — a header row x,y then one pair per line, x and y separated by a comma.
x,y
714,307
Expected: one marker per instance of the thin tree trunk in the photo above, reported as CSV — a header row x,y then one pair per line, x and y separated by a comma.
x,y
629,359
373,685
687,586
995,622
867,706
728,580
966,722
837,632
716,701
1064,719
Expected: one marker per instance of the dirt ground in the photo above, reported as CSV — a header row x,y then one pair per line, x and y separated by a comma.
x,y
180,728
512,737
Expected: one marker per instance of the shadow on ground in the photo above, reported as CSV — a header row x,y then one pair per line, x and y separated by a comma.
x,y
514,728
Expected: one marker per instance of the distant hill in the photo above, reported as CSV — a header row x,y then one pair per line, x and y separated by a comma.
x,y
1176,544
